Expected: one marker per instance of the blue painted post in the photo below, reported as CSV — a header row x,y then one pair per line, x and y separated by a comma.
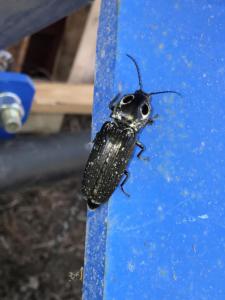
x,y
167,240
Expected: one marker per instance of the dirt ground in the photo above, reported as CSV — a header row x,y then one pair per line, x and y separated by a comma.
x,y
42,233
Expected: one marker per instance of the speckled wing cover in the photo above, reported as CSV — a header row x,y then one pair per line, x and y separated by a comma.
x,y
107,162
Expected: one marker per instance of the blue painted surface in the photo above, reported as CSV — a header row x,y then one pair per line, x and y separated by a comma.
x,y
104,85
22,86
167,240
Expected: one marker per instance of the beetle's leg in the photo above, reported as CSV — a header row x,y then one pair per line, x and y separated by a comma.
x,y
92,205
152,120
142,147
123,182
114,100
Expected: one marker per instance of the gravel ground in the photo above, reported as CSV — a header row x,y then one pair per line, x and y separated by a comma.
x,y
42,232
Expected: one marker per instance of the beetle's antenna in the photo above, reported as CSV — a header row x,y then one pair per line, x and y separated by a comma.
x,y
138,71
165,92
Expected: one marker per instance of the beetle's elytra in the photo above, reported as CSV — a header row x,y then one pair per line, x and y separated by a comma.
x,y
115,142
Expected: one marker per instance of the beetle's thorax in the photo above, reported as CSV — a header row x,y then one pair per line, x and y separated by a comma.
x,y
133,110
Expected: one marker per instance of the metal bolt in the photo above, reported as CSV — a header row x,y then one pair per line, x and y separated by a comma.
x,y
11,112
6,60
11,120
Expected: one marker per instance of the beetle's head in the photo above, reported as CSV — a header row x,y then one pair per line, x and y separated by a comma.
x,y
133,110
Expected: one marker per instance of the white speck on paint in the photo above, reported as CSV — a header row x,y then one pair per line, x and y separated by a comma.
x,y
203,217
131,266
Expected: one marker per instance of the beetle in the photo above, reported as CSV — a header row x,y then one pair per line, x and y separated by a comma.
x,y
114,144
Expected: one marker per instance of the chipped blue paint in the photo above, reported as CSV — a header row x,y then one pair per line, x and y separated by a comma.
x,y
167,240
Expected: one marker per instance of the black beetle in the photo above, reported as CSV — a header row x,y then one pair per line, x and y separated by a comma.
x,y
115,142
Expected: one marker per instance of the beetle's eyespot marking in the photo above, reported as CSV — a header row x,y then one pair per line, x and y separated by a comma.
x,y
127,99
145,110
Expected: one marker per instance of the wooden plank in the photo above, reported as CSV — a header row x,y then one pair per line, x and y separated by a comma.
x,y
84,63
19,52
22,18
63,98
43,123
74,28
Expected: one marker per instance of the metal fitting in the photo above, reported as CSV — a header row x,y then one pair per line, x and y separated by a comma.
x,y
6,60
11,112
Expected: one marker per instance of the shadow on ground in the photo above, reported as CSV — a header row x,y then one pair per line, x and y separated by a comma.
x,y
42,233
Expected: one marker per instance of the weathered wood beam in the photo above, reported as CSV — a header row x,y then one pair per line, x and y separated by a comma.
x,y
84,63
24,17
63,98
